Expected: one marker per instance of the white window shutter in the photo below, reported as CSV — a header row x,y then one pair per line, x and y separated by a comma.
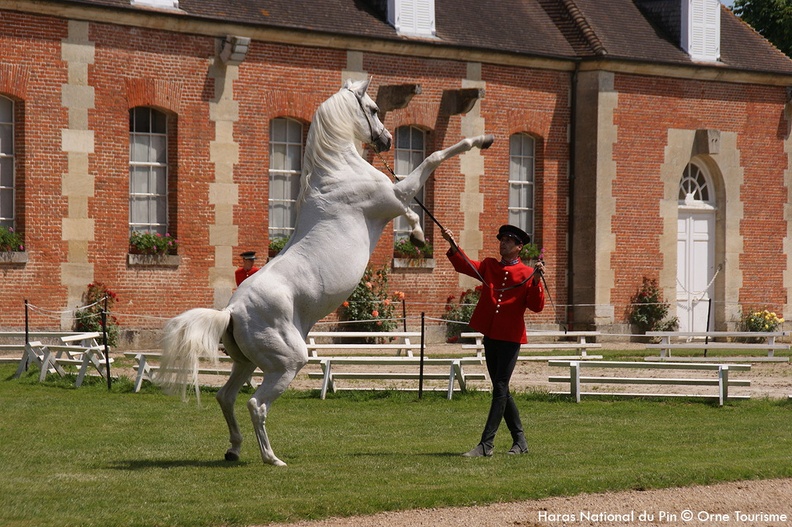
x,y
166,4
701,29
412,17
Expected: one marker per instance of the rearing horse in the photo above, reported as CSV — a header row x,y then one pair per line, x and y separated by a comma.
x,y
344,205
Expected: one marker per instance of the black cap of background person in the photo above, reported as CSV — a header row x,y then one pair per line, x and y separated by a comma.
x,y
248,255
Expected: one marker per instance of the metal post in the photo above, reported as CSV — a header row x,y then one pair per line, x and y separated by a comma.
x,y
27,334
106,349
421,370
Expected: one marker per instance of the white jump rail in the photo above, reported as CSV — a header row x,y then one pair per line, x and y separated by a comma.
x,y
717,340
19,337
722,381
406,341
147,364
580,344
456,373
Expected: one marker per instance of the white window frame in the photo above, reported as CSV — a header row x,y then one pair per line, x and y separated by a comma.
x,y
156,200
522,182
407,157
284,197
8,157
695,188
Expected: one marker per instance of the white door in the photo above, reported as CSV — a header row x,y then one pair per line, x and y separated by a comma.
x,y
695,267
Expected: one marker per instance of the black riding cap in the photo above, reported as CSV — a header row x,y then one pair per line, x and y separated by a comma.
x,y
518,234
248,255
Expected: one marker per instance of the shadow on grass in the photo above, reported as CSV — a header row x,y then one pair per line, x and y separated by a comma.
x,y
146,464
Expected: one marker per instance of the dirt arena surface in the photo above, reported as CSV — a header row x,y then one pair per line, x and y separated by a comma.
x,y
747,503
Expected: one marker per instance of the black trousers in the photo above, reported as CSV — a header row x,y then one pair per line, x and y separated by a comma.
x,y
501,359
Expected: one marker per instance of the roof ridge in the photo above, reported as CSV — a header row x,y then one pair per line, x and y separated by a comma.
x,y
584,27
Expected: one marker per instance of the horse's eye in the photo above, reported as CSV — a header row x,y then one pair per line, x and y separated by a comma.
x,y
375,111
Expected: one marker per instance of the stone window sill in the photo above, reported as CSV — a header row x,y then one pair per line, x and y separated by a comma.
x,y
153,260
13,258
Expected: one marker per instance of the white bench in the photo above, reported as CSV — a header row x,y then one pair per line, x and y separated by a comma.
x,y
147,364
717,340
545,341
409,370
722,381
406,341
79,349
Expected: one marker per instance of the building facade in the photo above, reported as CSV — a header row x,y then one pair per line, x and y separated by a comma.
x,y
628,146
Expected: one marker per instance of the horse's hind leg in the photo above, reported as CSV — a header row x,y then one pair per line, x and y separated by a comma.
x,y
226,397
274,384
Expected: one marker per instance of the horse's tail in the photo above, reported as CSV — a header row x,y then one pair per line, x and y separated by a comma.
x,y
193,335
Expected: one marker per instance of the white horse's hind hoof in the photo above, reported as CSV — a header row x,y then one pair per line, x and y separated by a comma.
x,y
277,462
231,455
488,140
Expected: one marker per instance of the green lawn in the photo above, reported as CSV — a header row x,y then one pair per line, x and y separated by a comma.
x,y
92,457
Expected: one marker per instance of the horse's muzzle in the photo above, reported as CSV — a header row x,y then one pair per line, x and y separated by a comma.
x,y
383,143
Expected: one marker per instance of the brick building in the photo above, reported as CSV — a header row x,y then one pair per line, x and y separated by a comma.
x,y
634,138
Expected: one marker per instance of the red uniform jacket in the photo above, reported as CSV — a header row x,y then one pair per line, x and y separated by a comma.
x,y
500,312
241,275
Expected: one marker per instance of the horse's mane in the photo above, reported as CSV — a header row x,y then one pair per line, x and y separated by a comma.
x,y
331,131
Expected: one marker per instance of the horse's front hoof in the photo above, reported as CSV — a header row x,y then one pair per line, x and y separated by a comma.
x,y
231,456
488,140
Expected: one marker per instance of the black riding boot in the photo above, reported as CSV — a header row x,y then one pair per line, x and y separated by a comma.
x,y
512,417
497,409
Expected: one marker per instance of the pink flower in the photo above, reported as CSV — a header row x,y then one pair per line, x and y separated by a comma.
x,y
386,301
375,313
368,285
345,304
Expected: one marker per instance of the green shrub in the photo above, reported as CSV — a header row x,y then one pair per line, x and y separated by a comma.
x,y
277,244
404,248
10,240
649,310
459,313
89,317
371,307
152,243
530,251
761,320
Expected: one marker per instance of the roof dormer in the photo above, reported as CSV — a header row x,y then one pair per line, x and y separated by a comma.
x,y
163,4
415,18
700,36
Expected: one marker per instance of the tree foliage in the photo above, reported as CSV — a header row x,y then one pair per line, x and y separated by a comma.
x,y
770,18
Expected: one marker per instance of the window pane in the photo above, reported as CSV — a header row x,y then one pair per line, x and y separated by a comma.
x,y
294,158
417,140
6,203
7,139
138,180
295,132
278,130
161,178
6,110
139,148
141,120
6,171
138,210
159,149
159,122
161,214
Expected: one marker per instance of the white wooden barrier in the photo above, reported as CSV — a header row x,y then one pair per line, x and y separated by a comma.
x,y
575,378
717,340
545,341
398,341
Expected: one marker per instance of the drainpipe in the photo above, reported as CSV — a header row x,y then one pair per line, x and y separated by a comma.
x,y
571,219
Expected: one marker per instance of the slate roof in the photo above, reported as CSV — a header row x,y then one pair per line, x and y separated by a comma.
x,y
566,29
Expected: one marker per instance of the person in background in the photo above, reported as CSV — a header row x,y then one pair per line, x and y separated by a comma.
x,y
248,267
510,287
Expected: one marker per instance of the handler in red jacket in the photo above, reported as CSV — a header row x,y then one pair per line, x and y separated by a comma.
x,y
510,287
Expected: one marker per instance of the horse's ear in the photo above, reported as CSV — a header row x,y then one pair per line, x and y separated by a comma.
x,y
357,87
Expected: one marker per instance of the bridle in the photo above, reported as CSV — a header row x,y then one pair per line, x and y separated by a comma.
x,y
374,138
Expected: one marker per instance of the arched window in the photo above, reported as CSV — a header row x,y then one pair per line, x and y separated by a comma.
x,y
7,176
286,151
522,157
694,186
409,152
148,170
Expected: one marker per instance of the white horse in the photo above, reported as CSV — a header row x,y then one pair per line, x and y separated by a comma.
x,y
344,205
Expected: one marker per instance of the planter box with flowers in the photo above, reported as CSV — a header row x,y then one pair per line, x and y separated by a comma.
x,y
406,255
153,250
12,250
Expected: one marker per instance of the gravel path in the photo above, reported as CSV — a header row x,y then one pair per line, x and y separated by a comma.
x,y
746,503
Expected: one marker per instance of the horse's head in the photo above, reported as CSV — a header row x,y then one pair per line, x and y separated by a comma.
x,y
370,129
